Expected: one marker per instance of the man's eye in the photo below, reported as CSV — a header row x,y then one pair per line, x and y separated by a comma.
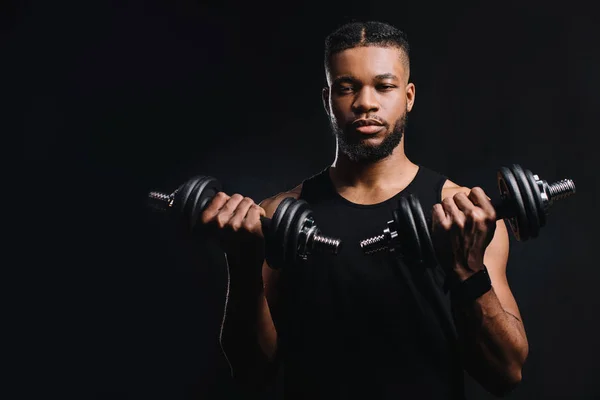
x,y
345,89
386,87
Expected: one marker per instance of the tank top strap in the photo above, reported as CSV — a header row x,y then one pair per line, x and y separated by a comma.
x,y
317,187
427,186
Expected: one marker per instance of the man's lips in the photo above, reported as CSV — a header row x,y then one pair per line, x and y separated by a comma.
x,y
369,129
367,126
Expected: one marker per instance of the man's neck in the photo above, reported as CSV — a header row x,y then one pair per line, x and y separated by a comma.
x,y
392,173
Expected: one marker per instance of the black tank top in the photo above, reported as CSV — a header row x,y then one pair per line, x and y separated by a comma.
x,y
358,326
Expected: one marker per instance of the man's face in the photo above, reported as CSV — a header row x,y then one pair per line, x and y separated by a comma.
x,y
368,100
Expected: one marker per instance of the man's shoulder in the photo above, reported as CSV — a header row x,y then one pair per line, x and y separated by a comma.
x,y
294,192
451,188
270,204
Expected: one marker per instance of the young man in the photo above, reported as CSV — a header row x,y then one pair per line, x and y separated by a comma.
x,y
356,325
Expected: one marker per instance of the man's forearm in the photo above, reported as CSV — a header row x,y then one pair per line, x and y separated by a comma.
x,y
247,333
494,343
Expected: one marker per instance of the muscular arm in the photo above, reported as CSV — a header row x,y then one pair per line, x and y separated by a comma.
x,y
248,335
490,329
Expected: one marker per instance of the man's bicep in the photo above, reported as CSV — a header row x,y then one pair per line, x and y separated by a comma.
x,y
495,259
271,276
270,282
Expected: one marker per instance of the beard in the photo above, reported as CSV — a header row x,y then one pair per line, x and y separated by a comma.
x,y
358,150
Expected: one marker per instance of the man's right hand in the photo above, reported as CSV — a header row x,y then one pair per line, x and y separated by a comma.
x,y
235,223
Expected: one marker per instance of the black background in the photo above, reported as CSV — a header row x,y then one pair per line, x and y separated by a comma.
x,y
117,98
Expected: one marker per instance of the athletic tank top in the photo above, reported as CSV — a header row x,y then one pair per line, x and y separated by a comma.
x,y
358,326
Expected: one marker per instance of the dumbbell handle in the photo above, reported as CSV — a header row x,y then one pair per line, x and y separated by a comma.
x,y
266,223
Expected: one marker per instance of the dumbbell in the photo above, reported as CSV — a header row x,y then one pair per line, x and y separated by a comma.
x,y
290,236
525,200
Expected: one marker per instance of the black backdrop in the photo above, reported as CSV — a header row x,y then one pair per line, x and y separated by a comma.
x,y
117,98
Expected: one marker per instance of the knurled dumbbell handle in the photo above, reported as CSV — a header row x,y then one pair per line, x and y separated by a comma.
x,y
266,223
503,209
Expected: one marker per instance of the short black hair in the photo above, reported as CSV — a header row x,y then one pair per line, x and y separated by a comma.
x,y
369,33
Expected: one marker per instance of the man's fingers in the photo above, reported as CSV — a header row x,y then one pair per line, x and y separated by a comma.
x,y
463,202
262,211
453,212
232,204
240,213
439,218
252,221
213,207
480,199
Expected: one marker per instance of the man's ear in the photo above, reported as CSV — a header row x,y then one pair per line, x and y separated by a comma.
x,y
325,98
410,96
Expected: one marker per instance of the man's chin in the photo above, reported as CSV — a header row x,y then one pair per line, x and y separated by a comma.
x,y
364,154
365,142
355,136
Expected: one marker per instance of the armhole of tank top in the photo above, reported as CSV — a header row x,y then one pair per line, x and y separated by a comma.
x,y
439,274
309,185
305,190
440,187
438,179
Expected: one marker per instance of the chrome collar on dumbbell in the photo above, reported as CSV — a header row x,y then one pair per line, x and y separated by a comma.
x,y
525,199
161,201
292,235
555,191
380,242
408,232
310,238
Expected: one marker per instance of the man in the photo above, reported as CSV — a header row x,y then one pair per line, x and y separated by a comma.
x,y
356,325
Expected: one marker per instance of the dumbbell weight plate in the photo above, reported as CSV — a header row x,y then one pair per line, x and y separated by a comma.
x,y
427,253
183,192
533,221
537,195
302,214
194,196
410,240
285,232
202,194
509,191
274,251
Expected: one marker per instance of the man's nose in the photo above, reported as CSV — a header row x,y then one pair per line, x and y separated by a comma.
x,y
365,101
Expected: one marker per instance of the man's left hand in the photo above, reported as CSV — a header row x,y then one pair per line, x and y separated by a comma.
x,y
463,227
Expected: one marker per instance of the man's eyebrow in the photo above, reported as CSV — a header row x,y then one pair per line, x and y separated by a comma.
x,y
386,76
350,79
344,79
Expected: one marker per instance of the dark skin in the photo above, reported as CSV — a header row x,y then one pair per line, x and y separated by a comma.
x,y
373,82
